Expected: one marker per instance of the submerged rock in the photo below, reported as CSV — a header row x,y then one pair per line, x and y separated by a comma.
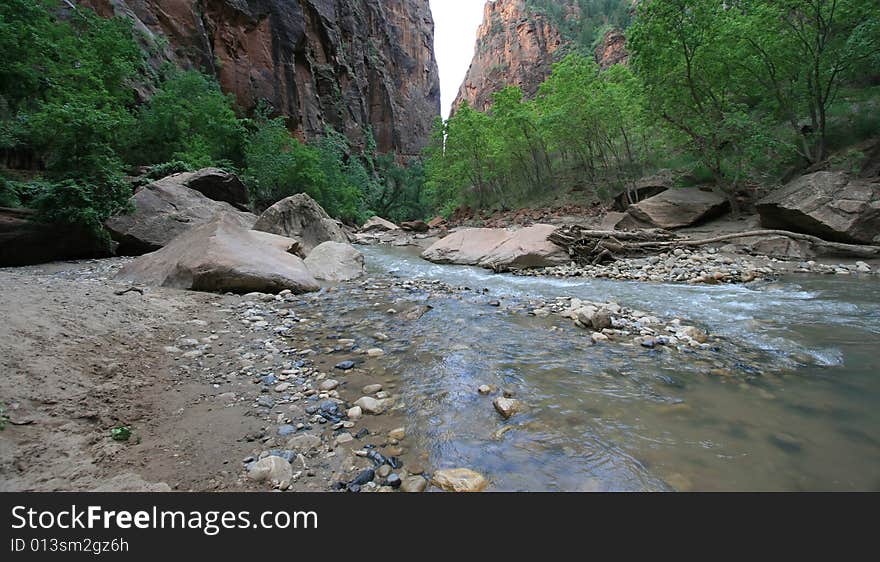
x,y
507,407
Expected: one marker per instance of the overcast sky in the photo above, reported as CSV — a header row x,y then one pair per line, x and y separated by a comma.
x,y
455,33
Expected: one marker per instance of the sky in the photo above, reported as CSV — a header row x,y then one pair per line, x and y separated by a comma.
x,y
455,34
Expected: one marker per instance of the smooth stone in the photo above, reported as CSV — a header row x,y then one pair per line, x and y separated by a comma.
x,y
397,433
328,385
507,407
345,365
459,480
355,413
375,352
372,388
370,405
271,469
344,438
413,484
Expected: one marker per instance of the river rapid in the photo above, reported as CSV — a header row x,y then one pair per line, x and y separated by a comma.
x,y
789,399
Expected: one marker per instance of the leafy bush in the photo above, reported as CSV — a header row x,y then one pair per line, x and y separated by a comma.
x,y
189,120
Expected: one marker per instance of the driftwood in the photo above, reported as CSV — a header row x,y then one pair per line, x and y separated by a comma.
x,y
597,246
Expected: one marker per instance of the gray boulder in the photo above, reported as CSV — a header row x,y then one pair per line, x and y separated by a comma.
x,y
301,218
830,205
499,249
218,185
677,208
164,210
335,261
223,256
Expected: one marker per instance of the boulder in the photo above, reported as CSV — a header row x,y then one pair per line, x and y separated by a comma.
x,y
437,222
778,247
415,226
677,208
378,224
164,210
459,480
223,256
499,249
271,469
26,241
830,205
612,221
301,218
335,261
218,185
644,188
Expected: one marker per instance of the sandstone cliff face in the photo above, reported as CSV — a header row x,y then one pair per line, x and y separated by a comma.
x,y
349,64
517,46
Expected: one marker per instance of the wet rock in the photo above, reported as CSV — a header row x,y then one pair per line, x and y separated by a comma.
x,y
602,320
459,480
365,476
335,261
355,413
372,388
375,352
328,385
383,471
393,480
413,484
397,433
507,407
304,443
485,389
345,365
370,405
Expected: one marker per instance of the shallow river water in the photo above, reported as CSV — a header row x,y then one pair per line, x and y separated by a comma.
x,y
793,404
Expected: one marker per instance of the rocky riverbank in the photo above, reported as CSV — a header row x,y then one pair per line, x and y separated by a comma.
x,y
708,266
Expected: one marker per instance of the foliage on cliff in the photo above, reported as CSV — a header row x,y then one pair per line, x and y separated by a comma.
x,y
735,94
70,117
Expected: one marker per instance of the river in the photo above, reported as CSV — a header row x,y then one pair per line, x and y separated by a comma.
x,y
790,401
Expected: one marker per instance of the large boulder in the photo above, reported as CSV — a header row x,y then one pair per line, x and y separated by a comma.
x,y
830,205
677,208
415,226
164,210
499,249
644,188
223,256
335,261
301,218
218,185
380,224
26,241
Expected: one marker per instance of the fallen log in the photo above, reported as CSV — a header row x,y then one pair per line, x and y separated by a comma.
x,y
597,246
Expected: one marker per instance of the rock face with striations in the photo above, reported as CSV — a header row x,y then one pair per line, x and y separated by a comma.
x,y
517,45
351,64
830,205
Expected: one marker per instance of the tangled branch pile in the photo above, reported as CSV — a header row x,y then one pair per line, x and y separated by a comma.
x,y
594,247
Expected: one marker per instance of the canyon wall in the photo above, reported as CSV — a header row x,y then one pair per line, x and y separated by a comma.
x,y
348,64
518,42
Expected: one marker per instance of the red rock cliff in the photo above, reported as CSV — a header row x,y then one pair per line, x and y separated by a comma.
x,y
517,46
350,64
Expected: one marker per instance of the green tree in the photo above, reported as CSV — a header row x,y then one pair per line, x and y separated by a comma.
x,y
800,53
191,120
